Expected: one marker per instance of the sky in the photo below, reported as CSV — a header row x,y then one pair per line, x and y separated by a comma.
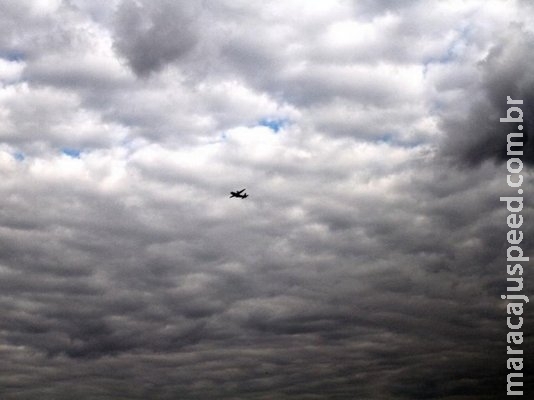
x,y
368,261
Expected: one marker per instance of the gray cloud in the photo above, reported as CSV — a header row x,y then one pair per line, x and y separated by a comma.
x,y
364,264
152,34
478,135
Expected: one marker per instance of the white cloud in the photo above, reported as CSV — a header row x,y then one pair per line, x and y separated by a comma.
x,y
372,237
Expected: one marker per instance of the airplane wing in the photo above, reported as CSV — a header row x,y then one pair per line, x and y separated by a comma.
x,y
241,191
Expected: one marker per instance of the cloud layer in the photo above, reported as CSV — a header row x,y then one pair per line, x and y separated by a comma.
x,y
368,261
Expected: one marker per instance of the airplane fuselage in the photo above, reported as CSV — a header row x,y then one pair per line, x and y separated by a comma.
x,y
238,194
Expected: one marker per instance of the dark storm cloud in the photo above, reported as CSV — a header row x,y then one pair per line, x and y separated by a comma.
x,y
477,134
151,34
189,301
361,265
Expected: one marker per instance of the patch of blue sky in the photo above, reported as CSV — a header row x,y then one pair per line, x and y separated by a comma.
x,y
220,138
12,55
19,156
453,50
388,137
395,139
71,152
273,124
449,55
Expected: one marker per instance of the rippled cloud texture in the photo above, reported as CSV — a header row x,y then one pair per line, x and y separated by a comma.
x,y
368,261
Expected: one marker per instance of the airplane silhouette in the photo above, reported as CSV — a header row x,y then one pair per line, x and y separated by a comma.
x,y
238,194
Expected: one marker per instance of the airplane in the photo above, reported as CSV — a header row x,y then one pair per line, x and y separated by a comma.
x,y
238,194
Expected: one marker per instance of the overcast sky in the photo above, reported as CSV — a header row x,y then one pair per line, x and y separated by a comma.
x,y
368,261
